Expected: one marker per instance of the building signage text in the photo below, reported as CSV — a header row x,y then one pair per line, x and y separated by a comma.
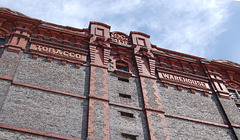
x,y
120,38
60,52
183,80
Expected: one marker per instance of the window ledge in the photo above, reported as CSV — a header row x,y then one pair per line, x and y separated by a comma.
x,y
123,73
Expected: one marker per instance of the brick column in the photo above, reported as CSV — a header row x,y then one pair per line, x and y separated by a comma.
x,y
98,122
152,104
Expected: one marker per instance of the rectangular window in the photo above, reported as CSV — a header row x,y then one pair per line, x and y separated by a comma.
x,y
130,115
123,79
125,96
2,40
128,137
238,106
233,94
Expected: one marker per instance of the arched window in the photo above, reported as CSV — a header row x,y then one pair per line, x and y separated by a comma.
x,y
122,66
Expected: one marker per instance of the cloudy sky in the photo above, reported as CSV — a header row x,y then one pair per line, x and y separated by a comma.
x,y
205,28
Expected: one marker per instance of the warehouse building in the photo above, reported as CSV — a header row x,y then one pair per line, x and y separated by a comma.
x,y
60,82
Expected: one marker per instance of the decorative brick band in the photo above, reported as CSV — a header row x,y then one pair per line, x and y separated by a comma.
x,y
126,106
155,110
40,133
98,98
235,125
6,78
197,120
50,90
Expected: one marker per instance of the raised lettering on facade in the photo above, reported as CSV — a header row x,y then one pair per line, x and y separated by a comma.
x,y
60,52
120,38
183,80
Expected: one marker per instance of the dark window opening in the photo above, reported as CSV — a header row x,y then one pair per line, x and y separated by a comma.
x,y
123,79
234,94
2,41
122,66
128,137
125,96
238,106
130,115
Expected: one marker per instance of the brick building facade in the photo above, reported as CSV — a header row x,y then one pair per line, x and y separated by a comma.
x,y
60,82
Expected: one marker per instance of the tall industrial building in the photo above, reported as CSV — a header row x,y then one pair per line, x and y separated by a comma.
x,y
60,82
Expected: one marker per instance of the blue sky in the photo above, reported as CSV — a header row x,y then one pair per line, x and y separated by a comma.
x,y
204,28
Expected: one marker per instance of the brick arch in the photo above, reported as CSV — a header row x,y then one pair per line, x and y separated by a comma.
x,y
125,60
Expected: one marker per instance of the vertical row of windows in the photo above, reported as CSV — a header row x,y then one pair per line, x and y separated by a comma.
x,y
122,66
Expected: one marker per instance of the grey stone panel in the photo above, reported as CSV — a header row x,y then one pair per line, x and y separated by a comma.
x,y
132,88
53,75
14,135
9,63
231,110
45,111
184,103
121,124
187,130
4,86
237,132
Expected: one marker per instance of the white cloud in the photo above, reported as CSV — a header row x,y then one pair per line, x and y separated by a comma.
x,y
188,26
192,26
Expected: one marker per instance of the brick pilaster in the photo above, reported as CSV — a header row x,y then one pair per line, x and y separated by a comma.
x,y
152,104
98,121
